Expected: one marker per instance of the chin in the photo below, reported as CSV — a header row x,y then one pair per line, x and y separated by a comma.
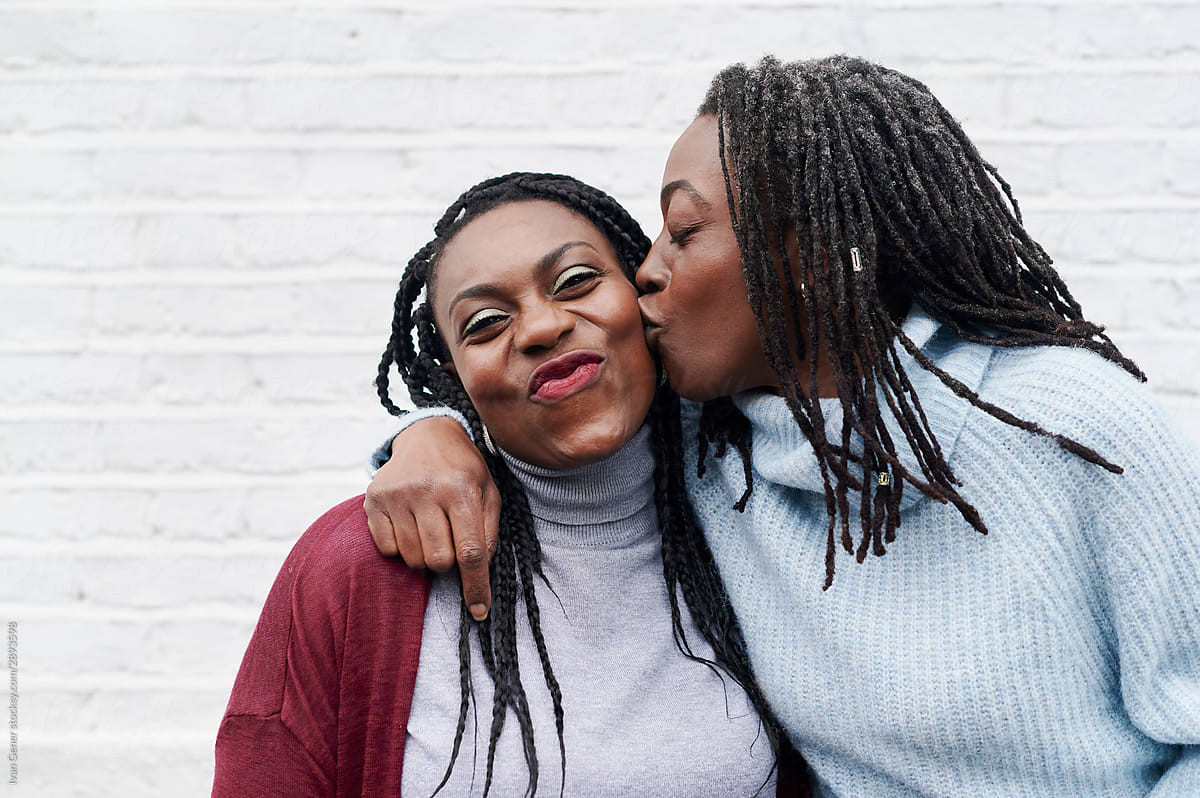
x,y
700,397
690,390
677,377
703,381
596,442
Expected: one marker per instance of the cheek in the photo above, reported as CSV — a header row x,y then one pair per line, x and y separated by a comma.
x,y
627,334
714,335
636,353
616,310
484,381
629,322
701,300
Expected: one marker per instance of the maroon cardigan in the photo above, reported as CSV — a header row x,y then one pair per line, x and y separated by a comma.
x,y
321,702
320,705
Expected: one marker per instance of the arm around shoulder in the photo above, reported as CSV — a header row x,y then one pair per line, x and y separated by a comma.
x,y
434,503
383,453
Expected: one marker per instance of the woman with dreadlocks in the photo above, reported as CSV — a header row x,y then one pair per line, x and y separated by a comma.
x,y
363,676
882,360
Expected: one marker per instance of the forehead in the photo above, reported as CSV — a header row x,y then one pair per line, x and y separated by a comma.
x,y
506,243
694,156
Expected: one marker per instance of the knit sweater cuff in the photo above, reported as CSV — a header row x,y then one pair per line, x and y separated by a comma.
x,y
384,453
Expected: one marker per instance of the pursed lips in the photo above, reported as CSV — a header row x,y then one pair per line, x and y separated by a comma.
x,y
651,326
561,369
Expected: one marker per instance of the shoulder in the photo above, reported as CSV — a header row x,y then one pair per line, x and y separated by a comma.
x,y
1066,372
1077,393
336,558
339,538
335,597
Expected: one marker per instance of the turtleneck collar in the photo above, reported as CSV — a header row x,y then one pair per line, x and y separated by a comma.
x,y
782,454
594,504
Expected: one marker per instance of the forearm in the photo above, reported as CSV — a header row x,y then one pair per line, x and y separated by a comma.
x,y
384,453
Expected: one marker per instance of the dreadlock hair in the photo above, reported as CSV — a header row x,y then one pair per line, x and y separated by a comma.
x,y
890,203
688,565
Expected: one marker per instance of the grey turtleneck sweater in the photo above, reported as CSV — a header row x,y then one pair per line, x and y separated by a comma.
x,y
640,718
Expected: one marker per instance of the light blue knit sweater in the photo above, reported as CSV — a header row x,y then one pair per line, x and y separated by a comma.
x,y
1057,656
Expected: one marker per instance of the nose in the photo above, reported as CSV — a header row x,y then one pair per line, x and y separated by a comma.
x,y
653,275
542,327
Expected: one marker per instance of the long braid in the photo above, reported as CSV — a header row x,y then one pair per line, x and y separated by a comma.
x,y
688,566
848,155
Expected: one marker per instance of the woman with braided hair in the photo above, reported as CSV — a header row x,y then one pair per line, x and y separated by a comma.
x,y
363,676
880,360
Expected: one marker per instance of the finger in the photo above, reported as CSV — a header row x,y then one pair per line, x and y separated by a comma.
x,y
471,549
433,530
491,517
381,528
408,540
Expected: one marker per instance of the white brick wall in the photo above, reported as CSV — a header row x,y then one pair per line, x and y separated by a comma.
x,y
204,207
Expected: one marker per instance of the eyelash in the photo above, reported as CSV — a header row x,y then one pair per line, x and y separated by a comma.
x,y
560,284
475,324
488,318
683,235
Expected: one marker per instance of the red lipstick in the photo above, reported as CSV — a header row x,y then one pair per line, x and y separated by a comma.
x,y
566,375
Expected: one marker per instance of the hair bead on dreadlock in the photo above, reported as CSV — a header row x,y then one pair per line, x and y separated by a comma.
x,y
688,566
890,203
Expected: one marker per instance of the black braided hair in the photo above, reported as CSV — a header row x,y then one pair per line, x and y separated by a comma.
x,y
858,161
688,565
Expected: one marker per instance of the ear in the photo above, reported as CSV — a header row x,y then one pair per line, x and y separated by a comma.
x,y
449,367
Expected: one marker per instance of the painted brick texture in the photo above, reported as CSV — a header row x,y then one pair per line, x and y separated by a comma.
x,y
204,207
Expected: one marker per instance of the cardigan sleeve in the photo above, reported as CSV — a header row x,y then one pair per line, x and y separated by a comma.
x,y
272,740
260,756
320,704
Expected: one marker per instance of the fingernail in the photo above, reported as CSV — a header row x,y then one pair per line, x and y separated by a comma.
x,y
478,612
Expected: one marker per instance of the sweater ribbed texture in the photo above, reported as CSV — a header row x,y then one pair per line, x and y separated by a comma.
x,y
640,718
1057,656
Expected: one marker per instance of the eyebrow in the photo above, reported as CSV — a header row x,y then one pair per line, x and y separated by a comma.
x,y
687,188
544,264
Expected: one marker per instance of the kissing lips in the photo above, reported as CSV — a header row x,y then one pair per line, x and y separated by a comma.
x,y
653,332
566,375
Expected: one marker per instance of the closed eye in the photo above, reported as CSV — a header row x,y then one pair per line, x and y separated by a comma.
x,y
574,277
482,320
680,237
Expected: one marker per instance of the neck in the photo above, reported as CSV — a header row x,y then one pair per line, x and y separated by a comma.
x,y
588,501
898,307
826,380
